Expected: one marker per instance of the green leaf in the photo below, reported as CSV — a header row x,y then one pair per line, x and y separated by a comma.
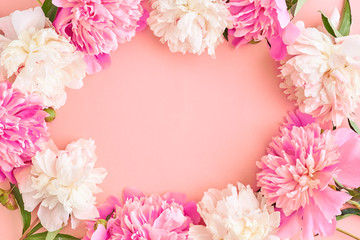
x,y
346,19
298,6
226,34
348,212
38,236
50,10
52,235
43,235
329,26
355,193
290,3
26,216
354,126
37,227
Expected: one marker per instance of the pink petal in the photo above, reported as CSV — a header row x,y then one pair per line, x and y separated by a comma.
x,y
97,63
316,223
190,210
131,192
290,34
289,226
349,149
278,48
108,207
330,202
142,21
100,233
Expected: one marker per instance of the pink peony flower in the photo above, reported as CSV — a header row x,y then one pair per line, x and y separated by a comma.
x,y
96,27
297,171
255,20
141,217
22,129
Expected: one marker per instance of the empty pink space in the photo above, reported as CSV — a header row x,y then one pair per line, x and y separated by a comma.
x,y
171,122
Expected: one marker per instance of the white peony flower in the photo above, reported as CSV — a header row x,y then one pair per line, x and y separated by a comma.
x,y
323,75
235,213
40,60
62,184
189,25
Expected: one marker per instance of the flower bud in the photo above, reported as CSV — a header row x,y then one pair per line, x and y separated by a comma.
x,y
52,114
100,221
8,200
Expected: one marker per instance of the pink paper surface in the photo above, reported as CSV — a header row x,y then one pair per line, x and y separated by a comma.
x,y
165,121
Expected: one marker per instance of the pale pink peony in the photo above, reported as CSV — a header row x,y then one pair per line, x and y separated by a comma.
x,y
22,129
96,27
189,25
61,184
141,217
297,171
323,75
255,20
235,212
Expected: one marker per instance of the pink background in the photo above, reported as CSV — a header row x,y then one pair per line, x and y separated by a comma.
x,y
172,122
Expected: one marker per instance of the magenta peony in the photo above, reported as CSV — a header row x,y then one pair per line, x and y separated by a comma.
x,y
141,217
255,20
22,129
96,27
297,171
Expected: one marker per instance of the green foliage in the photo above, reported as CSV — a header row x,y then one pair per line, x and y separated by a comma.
x,y
346,19
25,215
353,126
50,10
43,236
226,34
329,26
294,6
344,25
348,212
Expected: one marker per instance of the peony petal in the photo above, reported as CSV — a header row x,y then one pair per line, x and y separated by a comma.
x,y
100,233
289,226
349,148
27,19
330,202
199,232
53,219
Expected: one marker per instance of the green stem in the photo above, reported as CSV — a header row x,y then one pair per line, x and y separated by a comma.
x,y
354,203
346,233
32,225
39,2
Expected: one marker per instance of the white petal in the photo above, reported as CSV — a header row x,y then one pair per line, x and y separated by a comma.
x,y
53,219
27,19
